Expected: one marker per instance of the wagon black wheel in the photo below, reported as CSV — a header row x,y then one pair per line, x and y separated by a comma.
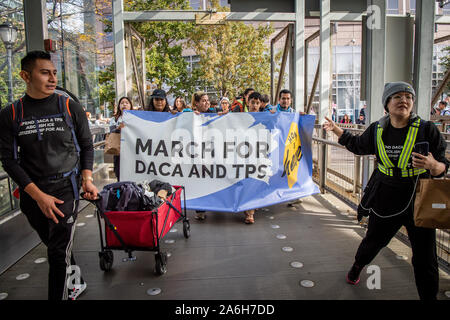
x,y
186,229
106,260
160,263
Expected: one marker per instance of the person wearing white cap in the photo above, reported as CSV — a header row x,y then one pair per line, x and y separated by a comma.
x,y
225,105
389,195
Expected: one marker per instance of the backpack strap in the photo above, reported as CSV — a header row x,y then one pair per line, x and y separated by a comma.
x,y
17,121
126,192
63,105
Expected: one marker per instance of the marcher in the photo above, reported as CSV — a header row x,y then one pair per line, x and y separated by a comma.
x,y
334,111
254,102
46,148
443,109
125,103
225,105
200,102
265,103
158,101
389,195
179,104
254,105
241,104
214,104
346,119
361,120
284,101
362,111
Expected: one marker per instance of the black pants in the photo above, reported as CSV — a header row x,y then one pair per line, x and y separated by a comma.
x,y
423,243
116,161
57,237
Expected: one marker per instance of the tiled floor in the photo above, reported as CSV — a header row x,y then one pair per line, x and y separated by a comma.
x,y
226,259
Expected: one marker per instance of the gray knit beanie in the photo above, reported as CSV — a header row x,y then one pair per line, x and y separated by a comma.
x,y
391,88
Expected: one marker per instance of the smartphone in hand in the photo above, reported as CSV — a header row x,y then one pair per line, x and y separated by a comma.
x,y
422,148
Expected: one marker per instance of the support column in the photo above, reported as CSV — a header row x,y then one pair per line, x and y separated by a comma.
x,y
376,51
36,30
423,57
375,69
298,56
119,49
325,60
325,84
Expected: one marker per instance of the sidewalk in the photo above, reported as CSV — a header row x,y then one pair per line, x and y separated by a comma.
x,y
226,259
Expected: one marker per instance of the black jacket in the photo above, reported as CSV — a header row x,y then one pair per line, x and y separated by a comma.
x,y
55,153
388,195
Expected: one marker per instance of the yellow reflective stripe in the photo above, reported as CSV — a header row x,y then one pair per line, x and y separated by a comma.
x,y
405,173
385,170
408,145
415,172
382,151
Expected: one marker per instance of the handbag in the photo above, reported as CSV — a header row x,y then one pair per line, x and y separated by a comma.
x,y
112,144
432,204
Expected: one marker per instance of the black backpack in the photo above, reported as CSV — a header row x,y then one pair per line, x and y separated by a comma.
x,y
127,196
122,196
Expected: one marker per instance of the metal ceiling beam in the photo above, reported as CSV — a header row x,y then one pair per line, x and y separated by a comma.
x,y
181,15
190,15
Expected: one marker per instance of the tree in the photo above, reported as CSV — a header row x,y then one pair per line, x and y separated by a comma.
x,y
18,84
233,56
445,62
165,64
106,89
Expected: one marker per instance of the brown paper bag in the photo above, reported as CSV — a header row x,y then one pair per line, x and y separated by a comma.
x,y
112,144
432,204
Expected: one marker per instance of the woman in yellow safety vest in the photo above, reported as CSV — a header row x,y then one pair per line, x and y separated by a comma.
x,y
389,195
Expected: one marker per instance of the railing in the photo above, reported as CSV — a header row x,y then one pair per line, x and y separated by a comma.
x,y
337,170
98,137
343,174
8,203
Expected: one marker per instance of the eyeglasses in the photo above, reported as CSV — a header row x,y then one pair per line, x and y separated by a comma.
x,y
399,97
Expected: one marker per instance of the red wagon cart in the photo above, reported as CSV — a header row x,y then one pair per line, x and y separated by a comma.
x,y
140,230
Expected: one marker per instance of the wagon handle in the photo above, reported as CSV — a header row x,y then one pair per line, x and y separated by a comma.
x,y
92,201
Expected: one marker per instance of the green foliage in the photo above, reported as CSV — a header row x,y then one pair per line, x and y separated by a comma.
x,y
445,62
233,56
164,41
18,84
106,89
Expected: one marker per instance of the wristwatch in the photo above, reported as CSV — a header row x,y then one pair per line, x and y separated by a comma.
x,y
87,178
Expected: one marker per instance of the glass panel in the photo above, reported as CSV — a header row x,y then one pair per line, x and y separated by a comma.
x,y
446,9
12,11
73,23
98,157
392,7
344,63
5,200
345,76
357,62
345,103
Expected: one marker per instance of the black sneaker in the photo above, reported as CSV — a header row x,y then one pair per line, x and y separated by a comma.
x,y
353,275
